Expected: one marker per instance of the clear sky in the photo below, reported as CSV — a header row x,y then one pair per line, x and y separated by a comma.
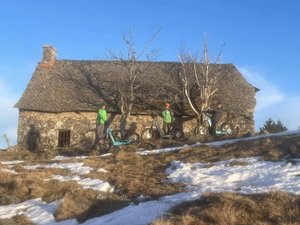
x,y
262,38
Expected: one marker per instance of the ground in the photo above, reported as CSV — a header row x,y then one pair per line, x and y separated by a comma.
x,y
89,185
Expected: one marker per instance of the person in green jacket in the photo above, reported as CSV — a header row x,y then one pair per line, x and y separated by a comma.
x,y
167,116
100,122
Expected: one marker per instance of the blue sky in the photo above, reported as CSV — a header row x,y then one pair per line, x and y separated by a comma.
x,y
262,38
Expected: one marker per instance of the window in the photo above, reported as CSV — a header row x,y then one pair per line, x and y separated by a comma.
x,y
64,138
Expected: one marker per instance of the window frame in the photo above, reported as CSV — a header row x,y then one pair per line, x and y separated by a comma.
x,y
64,138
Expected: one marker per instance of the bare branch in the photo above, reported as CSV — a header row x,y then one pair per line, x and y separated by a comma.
x,y
218,59
151,39
202,76
129,80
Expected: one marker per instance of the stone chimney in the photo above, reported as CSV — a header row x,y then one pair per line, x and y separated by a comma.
x,y
49,56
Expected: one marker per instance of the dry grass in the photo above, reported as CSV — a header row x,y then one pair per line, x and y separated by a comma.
x,y
86,204
133,175
16,220
18,188
17,154
273,149
275,208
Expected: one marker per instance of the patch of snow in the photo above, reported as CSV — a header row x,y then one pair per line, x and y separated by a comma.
x,y
11,162
254,176
39,212
76,168
60,157
9,171
141,198
105,155
285,133
87,183
101,170
216,143
144,213
162,150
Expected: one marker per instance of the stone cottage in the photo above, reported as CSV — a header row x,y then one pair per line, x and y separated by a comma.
x,y
59,105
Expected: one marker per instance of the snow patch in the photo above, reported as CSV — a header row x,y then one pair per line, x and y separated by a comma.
x,y
87,183
76,168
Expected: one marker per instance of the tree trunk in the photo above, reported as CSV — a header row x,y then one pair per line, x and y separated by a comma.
x,y
123,123
199,119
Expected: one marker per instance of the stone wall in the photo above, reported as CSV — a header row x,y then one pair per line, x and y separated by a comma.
x,y
39,130
244,124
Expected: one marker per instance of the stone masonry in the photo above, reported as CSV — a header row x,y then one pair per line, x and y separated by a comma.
x,y
39,130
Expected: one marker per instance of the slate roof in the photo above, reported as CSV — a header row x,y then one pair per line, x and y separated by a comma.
x,y
80,85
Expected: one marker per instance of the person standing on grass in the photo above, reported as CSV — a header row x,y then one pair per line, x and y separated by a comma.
x,y
217,114
168,119
100,122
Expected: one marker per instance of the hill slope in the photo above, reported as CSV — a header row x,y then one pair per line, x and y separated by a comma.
x,y
134,186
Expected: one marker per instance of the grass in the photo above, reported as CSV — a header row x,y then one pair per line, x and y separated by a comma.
x,y
274,208
84,204
20,220
133,175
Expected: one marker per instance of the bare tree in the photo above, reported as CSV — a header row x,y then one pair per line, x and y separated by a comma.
x,y
129,81
196,79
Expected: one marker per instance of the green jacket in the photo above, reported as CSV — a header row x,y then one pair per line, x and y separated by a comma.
x,y
167,116
101,116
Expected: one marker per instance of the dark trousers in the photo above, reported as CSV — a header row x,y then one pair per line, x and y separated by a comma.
x,y
213,127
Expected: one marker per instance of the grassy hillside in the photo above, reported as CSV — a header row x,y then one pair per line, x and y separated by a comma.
x,y
136,178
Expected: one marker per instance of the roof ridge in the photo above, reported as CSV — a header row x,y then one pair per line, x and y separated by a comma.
x,y
141,61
